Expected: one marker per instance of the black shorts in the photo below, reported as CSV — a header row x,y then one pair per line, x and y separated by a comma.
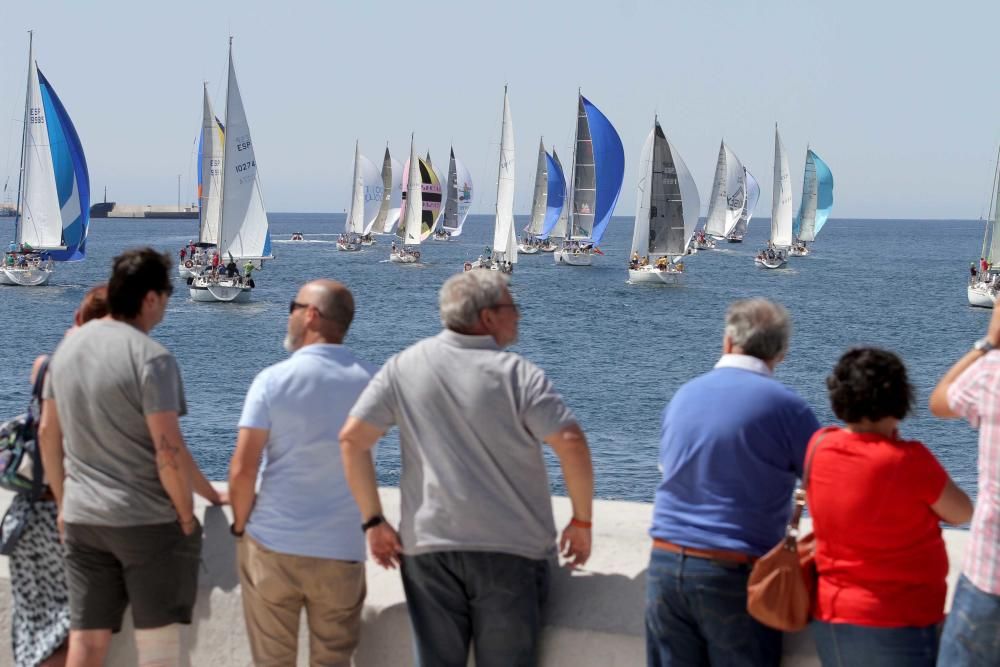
x,y
153,567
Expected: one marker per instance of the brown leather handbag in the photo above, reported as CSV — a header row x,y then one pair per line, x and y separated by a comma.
x,y
782,585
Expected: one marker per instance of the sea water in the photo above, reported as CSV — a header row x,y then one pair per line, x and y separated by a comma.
x,y
616,352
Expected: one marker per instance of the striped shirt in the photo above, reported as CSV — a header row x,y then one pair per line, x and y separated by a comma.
x,y
975,396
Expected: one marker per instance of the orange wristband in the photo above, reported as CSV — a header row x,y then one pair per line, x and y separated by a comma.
x,y
580,524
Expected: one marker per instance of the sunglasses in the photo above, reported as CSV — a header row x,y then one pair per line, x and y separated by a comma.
x,y
295,305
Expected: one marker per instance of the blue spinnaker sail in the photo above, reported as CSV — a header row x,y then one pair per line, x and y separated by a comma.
x,y
72,179
824,192
609,161
556,199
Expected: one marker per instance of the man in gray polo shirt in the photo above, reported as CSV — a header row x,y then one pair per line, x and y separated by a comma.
x,y
476,528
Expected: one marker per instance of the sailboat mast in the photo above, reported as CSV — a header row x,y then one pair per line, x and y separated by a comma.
x,y
225,154
992,220
496,208
21,176
570,225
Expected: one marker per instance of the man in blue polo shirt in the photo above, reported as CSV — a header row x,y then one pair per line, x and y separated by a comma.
x,y
302,547
731,447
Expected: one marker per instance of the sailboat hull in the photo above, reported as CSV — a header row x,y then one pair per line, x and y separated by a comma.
x,y
549,247
527,249
652,275
348,247
734,239
404,258
980,296
799,251
31,277
225,290
707,244
776,263
572,258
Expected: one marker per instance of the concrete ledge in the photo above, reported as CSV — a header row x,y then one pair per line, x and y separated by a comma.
x,y
595,616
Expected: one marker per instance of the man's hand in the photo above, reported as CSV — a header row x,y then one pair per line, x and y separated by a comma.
x,y
221,498
188,526
574,545
383,540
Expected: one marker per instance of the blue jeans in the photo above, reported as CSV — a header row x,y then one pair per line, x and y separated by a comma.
x,y
846,645
493,599
972,630
696,614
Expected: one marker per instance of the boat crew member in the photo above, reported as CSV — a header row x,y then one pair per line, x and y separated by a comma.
x,y
972,269
183,254
248,269
231,269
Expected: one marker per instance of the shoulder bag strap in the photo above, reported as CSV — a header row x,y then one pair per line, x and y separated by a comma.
x,y
792,529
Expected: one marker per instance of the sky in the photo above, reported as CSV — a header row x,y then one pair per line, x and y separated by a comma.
x,y
899,98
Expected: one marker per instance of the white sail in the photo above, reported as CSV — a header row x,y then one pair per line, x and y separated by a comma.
x,y
503,230
410,221
243,230
40,222
465,191
640,233
781,197
540,198
810,194
690,200
355,222
396,199
210,192
728,195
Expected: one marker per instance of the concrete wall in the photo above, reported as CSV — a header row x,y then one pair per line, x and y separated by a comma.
x,y
595,616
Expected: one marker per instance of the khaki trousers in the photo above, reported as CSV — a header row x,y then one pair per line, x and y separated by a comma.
x,y
277,586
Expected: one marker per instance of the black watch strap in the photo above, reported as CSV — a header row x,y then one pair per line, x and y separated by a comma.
x,y
372,522
234,532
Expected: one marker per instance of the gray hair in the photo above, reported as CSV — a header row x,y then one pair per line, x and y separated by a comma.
x,y
761,328
465,294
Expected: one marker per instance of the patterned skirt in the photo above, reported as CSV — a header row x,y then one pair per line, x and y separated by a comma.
x,y
40,622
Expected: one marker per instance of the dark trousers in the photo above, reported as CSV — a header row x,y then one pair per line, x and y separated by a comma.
x,y
696,614
492,599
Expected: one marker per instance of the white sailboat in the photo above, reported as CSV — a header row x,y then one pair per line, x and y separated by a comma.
x,y
366,201
598,170
728,199
411,223
753,195
53,194
392,199
531,244
458,199
775,255
211,146
243,228
504,255
984,286
814,208
666,213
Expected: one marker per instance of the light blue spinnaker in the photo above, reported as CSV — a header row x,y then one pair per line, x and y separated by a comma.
x,y
609,165
72,179
557,196
817,198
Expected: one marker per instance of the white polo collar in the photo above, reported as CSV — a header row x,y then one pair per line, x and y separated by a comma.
x,y
745,362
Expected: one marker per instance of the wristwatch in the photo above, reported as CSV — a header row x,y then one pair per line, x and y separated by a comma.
x,y
983,345
234,532
372,522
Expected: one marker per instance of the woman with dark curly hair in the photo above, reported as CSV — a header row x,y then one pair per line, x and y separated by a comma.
x,y
876,502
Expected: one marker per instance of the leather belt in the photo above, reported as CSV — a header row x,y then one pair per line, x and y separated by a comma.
x,y
708,554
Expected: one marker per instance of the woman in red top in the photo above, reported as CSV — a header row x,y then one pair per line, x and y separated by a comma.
x,y
876,502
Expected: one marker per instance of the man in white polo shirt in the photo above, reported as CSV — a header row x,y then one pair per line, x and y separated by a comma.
x,y
476,529
302,546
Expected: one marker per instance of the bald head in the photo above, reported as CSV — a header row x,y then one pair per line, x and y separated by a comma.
x,y
335,304
321,313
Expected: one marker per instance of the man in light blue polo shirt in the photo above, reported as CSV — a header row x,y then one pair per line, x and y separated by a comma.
x,y
731,447
302,545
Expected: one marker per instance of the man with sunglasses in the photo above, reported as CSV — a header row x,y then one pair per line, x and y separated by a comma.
x,y
298,538
114,395
476,529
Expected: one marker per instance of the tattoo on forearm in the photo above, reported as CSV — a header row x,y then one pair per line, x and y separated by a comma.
x,y
166,454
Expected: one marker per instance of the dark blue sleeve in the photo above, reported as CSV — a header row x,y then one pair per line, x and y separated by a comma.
x,y
804,425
